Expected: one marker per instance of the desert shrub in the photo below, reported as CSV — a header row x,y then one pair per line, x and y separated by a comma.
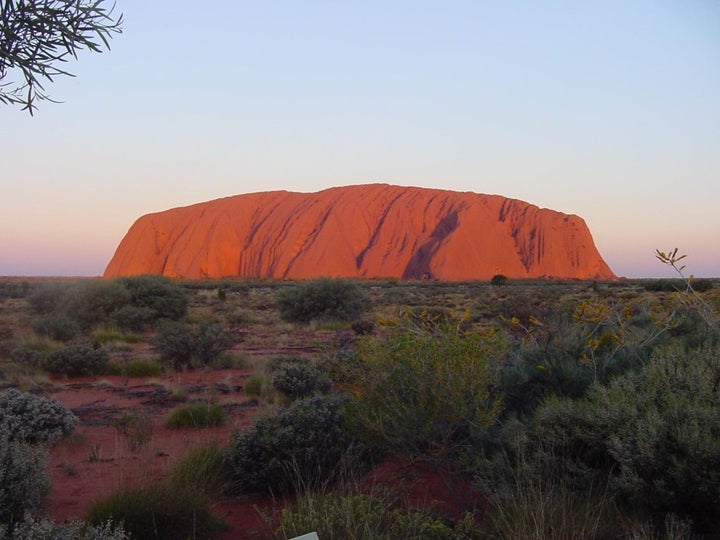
x,y
425,393
342,362
256,386
14,289
664,427
303,445
26,356
378,515
165,511
57,327
654,433
498,280
520,304
297,377
44,528
202,469
49,298
363,327
34,419
211,340
702,285
179,344
323,300
23,480
138,367
537,373
591,341
196,415
85,302
164,297
664,285
94,301
176,343
133,318
76,361
673,285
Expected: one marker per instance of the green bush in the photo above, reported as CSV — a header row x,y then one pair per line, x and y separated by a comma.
x,y
322,300
197,415
44,528
23,480
563,352
57,327
179,344
378,515
498,280
133,318
76,361
176,344
50,297
303,446
166,511
538,373
93,302
164,297
211,340
654,433
27,356
34,419
425,393
85,302
297,377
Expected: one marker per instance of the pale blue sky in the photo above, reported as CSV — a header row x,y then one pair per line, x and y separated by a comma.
x,y
605,109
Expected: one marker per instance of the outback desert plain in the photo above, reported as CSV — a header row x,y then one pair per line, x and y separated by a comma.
x,y
363,362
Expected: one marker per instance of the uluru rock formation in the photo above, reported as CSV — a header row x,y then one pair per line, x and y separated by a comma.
x,y
364,231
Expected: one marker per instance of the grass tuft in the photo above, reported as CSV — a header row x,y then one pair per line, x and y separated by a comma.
x,y
197,415
166,510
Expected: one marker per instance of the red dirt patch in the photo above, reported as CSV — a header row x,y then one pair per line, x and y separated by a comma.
x,y
436,489
102,457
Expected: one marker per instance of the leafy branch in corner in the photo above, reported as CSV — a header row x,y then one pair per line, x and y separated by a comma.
x,y
38,36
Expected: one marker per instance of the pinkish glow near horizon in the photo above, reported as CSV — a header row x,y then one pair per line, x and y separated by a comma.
x,y
607,110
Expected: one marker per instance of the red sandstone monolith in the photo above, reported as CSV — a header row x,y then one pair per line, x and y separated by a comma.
x,y
364,231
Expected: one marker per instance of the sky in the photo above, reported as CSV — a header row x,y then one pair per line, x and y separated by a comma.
x,y
605,109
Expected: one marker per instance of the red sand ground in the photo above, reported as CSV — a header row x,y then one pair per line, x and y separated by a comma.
x,y
99,459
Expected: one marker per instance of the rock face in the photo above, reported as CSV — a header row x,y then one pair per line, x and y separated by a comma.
x,y
365,231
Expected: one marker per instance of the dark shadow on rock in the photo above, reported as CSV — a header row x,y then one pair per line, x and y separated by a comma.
x,y
419,265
